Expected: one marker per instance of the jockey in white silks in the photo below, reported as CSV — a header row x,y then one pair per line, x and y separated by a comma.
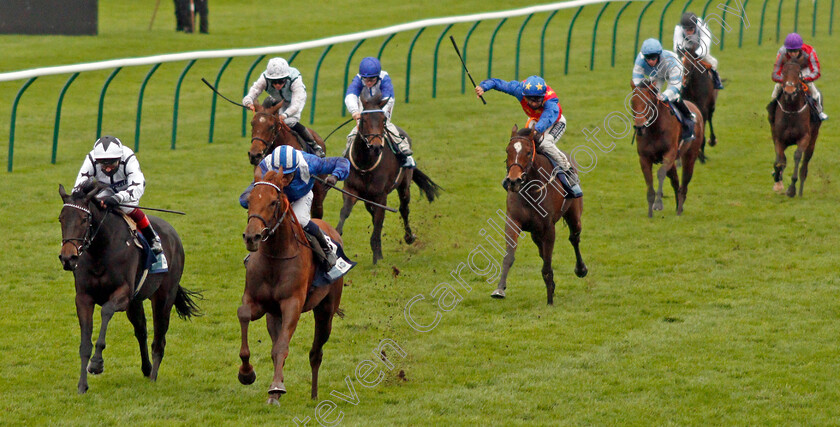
x,y
692,28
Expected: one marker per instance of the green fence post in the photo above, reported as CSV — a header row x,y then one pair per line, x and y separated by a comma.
x,y
779,20
490,52
408,63
639,27
706,8
58,115
102,100
435,64
215,97
662,18
464,53
723,26
347,73
140,106
814,21
177,101
12,124
385,43
246,87
761,26
685,7
615,31
292,58
315,84
569,39
831,18
796,17
594,32
741,31
518,44
542,43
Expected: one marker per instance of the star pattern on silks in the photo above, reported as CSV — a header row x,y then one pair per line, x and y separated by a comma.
x,y
528,86
551,92
539,86
87,174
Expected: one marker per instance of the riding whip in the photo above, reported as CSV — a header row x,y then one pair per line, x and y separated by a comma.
x,y
387,208
339,127
151,209
223,97
465,65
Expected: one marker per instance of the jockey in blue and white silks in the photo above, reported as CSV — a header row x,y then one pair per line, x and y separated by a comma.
x,y
664,69
285,159
371,75
284,84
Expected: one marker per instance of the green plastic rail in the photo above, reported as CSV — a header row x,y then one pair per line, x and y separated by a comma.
x,y
542,42
177,101
215,97
246,87
761,25
569,39
102,100
315,83
408,62
58,115
518,45
435,66
140,107
662,17
615,31
639,28
12,125
385,43
741,31
594,33
490,52
347,73
464,53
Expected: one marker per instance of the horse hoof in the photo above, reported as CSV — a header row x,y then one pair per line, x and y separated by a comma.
x,y
498,294
146,369
277,389
657,205
96,368
83,389
272,400
581,272
248,378
778,187
410,238
791,193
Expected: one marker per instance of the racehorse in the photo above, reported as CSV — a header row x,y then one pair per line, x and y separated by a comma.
x,y
699,88
794,124
657,141
277,281
98,247
531,173
269,132
375,171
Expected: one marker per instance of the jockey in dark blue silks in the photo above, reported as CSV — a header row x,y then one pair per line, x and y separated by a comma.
x,y
371,75
664,68
305,166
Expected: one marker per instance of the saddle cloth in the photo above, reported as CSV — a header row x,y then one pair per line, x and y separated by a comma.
x,y
151,264
342,265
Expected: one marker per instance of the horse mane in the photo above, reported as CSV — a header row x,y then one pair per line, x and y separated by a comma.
x,y
526,132
370,97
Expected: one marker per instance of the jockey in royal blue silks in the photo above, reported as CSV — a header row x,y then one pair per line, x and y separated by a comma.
x,y
372,75
305,166
663,68
542,106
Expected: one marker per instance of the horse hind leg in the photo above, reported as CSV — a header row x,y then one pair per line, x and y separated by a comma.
x,y
572,218
545,243
404,193
137,317
378,217
660,176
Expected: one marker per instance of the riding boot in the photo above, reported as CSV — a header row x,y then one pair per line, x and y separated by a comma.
x,y
716,77
307,137
350,138
153,239
403,146
819,108
313,230
688,122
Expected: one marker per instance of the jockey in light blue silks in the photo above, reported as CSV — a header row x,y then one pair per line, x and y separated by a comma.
x,y
663,68
545,115
372,75
287,160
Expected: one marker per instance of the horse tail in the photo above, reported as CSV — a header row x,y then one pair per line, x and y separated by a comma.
x,y
185,303
339,312
427,186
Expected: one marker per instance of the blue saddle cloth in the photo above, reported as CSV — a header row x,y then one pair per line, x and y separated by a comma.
x,y
572,189
153,263
342,266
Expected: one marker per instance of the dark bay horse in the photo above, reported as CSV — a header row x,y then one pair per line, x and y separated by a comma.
x,y
98,247
375,171
277,282
269,132
530,174
699,88
657,141
794,124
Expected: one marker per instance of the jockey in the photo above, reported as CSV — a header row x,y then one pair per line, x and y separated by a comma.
x,y
284,84
541,105
663,67
371,75
794,48
114,164
692,28
304,166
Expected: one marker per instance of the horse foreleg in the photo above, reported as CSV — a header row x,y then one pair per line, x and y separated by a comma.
x,y
779,166
246,313
804,172
137,317
378,217
290,314
272,323
511,239
404,192
349,201
545,242
323,314
797,157
572,218
117,302
84,311
646,171
661,173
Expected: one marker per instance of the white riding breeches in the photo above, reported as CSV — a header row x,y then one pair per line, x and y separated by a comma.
x,y
302,207
549,140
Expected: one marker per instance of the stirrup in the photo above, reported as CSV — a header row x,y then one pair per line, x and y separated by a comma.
x,y
156,245
409,162
317,149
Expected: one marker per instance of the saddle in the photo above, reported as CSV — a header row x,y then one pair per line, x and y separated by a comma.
x,y
151,264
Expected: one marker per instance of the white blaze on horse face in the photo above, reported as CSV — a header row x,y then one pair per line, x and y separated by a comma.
x,y
262,119
517,146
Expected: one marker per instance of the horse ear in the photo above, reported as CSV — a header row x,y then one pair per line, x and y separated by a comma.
x,y
384,102
258,175
62,192
285,179
273,110
514,130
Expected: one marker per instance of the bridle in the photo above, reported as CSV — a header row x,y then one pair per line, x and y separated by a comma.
x,y
88,237
276,213
366,137
799,87
274,132
647,87
533,153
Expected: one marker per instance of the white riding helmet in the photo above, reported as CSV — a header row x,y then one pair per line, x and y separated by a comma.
x,y
107,148
277,69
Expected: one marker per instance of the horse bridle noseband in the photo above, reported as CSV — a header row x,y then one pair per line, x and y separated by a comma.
x,y
798,88
88,238
276,212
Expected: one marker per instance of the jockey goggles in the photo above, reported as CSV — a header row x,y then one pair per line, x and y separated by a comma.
x,y
650,56
283,81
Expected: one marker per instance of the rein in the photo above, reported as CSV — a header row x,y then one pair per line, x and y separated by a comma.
x,y
88,238
803,87
365,138
276,212
274,133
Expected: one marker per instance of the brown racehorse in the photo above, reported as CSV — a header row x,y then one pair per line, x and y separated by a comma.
x,y
277,281
529,172
699,88
96,246
794,124
657,141
375,171
269,132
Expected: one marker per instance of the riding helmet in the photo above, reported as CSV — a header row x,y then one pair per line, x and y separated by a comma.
x,y
534,86
107,148
370,67
793,41
688,21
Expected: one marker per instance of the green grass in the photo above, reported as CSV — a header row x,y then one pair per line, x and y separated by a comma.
x,y
725,315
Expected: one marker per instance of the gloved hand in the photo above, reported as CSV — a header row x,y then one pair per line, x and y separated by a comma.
x,y
112,201
662,97
331,180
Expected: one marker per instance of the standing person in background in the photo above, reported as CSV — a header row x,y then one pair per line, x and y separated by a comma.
x,y
201,9
182,15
